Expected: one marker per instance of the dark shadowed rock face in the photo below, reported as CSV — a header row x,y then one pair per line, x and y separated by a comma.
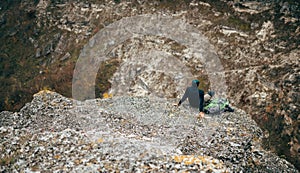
x,y
131,134
256,41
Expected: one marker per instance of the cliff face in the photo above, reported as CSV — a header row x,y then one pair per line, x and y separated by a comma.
x,y
257,43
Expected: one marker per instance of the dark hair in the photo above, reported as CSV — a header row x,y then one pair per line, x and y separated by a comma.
x,y
211,93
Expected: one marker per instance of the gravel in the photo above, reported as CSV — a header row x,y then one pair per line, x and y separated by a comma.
x,y
129,134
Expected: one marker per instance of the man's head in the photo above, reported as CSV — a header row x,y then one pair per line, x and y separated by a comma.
x,y
211,93
197,82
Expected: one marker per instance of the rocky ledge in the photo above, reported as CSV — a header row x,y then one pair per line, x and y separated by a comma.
x,y
129,134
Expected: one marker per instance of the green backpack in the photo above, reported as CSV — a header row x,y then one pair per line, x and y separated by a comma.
x,y
216,105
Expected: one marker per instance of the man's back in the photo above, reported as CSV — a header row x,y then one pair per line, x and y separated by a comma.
x,y
194,95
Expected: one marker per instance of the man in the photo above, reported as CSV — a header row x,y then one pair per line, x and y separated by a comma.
x,y
195,97
208,97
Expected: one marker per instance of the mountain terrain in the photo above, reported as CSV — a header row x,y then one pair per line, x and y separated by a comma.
x,y
130,134
257,43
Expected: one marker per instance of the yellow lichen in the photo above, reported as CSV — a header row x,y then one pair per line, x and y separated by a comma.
x,y
107,95
100,140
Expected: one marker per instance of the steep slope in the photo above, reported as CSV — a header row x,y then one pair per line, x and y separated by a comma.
x,y
257,42
54,133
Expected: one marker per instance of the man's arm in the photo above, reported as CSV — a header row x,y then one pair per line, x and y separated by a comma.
x,y
184,97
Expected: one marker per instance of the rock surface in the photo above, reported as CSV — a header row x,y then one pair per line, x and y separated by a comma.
x,y
257,42
130,134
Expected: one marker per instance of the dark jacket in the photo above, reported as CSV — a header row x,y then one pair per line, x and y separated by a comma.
x,y
195,97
